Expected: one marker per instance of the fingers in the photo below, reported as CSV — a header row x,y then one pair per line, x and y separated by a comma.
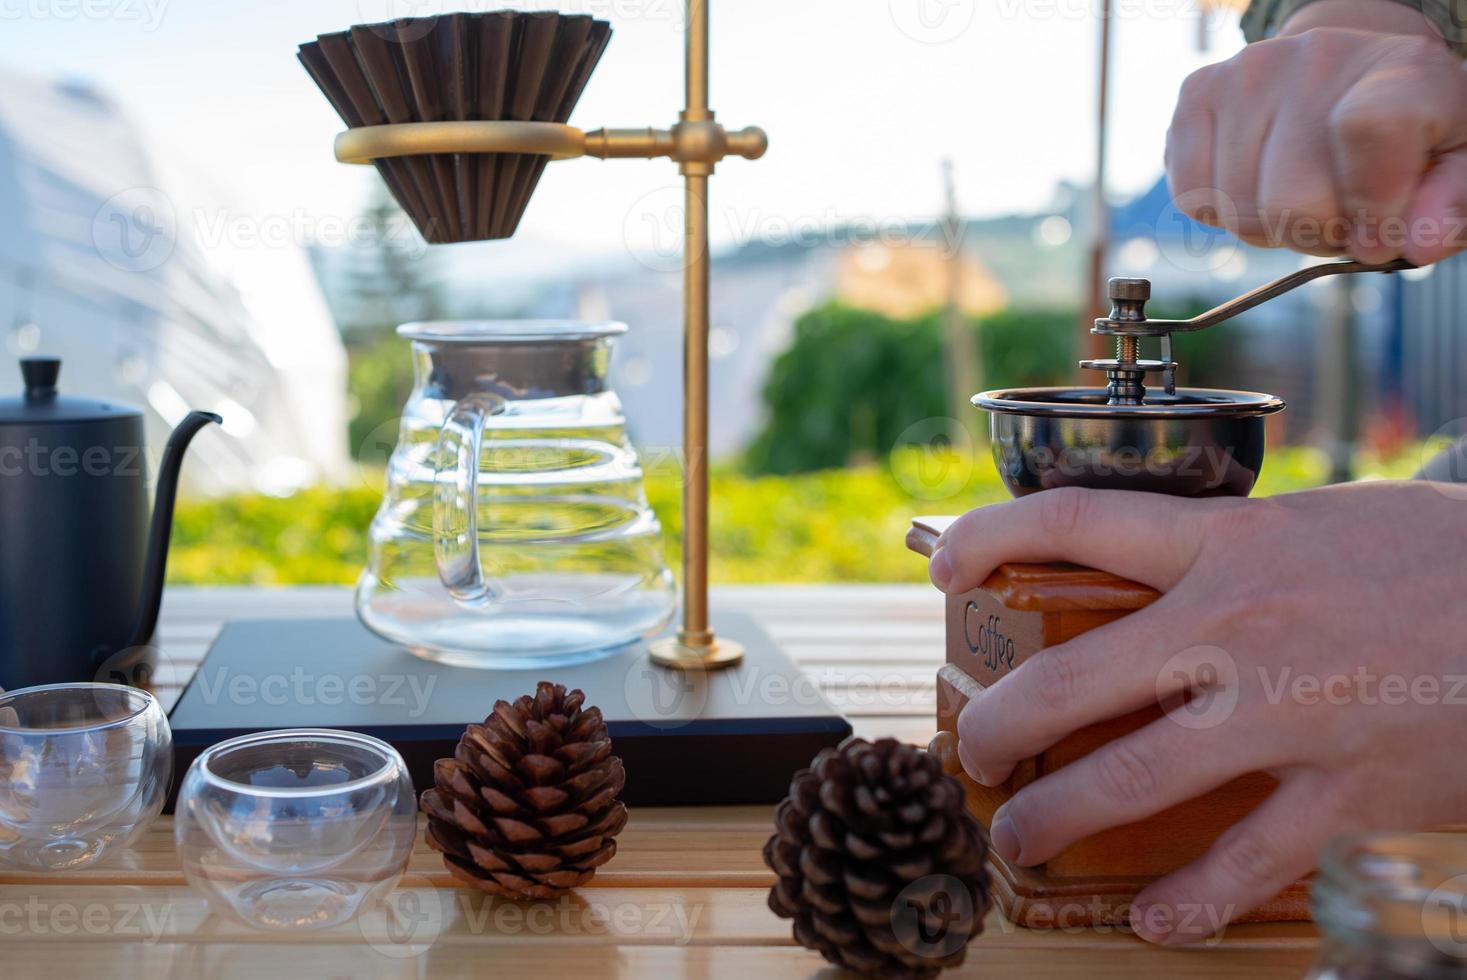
x,y
1328,141
1144,537
1189,154
1250,863
1381,144
1383,133
1439,216
1297,203
1123,781
1238,144
1102,674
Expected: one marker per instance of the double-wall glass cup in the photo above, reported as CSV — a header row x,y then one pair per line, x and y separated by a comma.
x,y
84,768
296,830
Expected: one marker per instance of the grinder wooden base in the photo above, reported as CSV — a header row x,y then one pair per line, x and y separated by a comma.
x,y
1095,880
1018,611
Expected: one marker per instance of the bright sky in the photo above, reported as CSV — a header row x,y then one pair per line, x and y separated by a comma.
x,y
861,98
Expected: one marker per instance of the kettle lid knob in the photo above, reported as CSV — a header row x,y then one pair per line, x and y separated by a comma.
x,y
40,374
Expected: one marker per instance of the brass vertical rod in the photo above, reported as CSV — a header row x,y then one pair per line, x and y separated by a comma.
x,y
695,631
697,57
696,647
696,313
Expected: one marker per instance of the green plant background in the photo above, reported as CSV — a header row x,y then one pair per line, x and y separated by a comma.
x,y
839,525
821,495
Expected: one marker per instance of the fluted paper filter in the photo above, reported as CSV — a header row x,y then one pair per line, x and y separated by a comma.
x,y
501,65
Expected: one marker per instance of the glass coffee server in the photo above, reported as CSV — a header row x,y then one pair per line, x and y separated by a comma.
x,y
515,531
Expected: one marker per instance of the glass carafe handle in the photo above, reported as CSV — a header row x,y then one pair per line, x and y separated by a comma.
x,y
456,500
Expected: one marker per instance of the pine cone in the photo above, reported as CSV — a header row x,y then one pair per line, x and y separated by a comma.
x,y
880,864
527,808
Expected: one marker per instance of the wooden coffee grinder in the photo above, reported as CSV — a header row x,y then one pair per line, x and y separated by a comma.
x,y
1189,442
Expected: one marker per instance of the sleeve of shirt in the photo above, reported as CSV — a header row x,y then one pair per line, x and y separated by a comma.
x,y
1264,17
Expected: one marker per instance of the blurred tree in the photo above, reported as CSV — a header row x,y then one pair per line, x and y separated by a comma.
x,y
853,382
388,276
388,283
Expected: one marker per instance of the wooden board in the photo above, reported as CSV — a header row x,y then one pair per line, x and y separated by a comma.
x,y
873,649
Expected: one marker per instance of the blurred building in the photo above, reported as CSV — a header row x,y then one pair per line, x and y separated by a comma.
x,y
1337,350
1422,365
157,292
910,279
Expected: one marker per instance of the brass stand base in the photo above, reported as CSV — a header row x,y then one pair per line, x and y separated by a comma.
x,y
673,653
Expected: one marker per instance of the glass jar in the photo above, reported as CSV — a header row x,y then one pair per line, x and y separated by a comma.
x,y
515,531
1392,907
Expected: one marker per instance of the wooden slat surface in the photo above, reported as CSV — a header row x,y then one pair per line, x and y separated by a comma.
x,y
685,895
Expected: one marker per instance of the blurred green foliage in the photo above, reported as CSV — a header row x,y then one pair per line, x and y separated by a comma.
x,y
852,381
379,380
825,493
386,286
829,526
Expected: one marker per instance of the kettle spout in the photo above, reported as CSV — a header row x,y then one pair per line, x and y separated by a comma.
x,y
151,597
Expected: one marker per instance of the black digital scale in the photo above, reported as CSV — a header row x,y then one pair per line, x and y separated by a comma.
x,y
730,736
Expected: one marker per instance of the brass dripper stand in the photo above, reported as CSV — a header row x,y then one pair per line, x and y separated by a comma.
x,y
697,143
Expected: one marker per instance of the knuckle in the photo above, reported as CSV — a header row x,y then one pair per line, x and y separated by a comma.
x,y
962,534
1056,678
1195,203
1243,520
1368,123
1283,206
1249,860
1124,775
1063,510
1417,51
1318,50
1197,88
977,741
1255,70
1027,823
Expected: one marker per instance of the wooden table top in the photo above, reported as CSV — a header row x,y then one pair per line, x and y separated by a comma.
x,y
685,895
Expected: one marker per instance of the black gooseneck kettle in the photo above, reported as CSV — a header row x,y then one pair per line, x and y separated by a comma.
x,y
81,575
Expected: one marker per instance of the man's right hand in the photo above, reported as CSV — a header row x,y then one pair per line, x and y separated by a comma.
x,y
1346,134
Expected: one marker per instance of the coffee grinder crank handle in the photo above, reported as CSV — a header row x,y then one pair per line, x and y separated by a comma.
x,y
1128,323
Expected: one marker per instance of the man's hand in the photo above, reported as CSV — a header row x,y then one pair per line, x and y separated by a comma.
x,y
1321,636
1345,134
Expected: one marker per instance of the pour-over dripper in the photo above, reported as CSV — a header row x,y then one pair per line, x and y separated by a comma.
x,y
500,65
